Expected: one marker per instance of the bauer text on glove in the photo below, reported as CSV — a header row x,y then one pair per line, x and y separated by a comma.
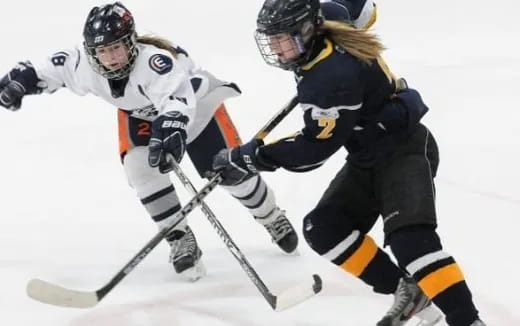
x,y
168,140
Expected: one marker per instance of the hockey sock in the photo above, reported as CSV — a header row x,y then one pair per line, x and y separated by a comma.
x,y
418,249
255,195
359,255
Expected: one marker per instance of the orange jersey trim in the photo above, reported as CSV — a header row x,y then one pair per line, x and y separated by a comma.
x,y
124,141
227,127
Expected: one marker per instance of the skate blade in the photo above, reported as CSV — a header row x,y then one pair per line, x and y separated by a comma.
x,y
429,316
194,273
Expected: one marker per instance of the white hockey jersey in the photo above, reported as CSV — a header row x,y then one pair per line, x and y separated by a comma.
x,y
157,84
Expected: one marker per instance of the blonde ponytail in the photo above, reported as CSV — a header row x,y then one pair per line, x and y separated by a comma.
x,y
158,42
361,43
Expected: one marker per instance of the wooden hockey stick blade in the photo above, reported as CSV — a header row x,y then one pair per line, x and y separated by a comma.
x,y
59,296
298,293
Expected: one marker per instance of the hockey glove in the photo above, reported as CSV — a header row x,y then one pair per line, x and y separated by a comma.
x,y
240,163
415,107
168,140
403,112
20,81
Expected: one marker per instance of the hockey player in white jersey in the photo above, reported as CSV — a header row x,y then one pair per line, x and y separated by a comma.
x,y
167,107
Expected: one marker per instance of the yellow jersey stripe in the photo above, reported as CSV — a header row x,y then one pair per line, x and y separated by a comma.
x,y
329,48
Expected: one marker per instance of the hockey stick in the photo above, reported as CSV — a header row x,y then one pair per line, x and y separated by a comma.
x,y
276,119
284,300
289,297
279,302
50,293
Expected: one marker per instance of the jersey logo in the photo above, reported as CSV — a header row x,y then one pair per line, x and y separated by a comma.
x,y
161,63
318,113
146,112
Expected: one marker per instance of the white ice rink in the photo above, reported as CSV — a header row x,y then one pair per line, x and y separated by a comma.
x,y
67,214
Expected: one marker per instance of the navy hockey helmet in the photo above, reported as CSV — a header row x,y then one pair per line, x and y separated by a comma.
x,y
286,31
107,25
338,10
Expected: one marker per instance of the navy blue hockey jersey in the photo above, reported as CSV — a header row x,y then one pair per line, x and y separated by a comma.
x,y
342,98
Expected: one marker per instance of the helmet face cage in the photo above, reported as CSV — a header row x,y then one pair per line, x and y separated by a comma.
x,y
286,30
106,26
129,41
286,50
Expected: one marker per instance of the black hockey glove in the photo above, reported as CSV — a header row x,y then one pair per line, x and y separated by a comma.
x,y
403,112
20,81
415,107
168,140
11,95
240,163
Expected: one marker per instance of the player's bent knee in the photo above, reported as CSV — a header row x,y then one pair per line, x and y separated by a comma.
x,y
312,234
139,172
322,234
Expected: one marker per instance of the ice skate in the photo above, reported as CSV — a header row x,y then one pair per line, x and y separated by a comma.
x,y
185,254
410,301
280,229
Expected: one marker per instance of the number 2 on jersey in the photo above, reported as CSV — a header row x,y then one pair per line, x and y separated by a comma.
x,y
328,124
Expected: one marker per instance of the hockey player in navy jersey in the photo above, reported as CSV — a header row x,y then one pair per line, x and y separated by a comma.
x,y
350,99
167,107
